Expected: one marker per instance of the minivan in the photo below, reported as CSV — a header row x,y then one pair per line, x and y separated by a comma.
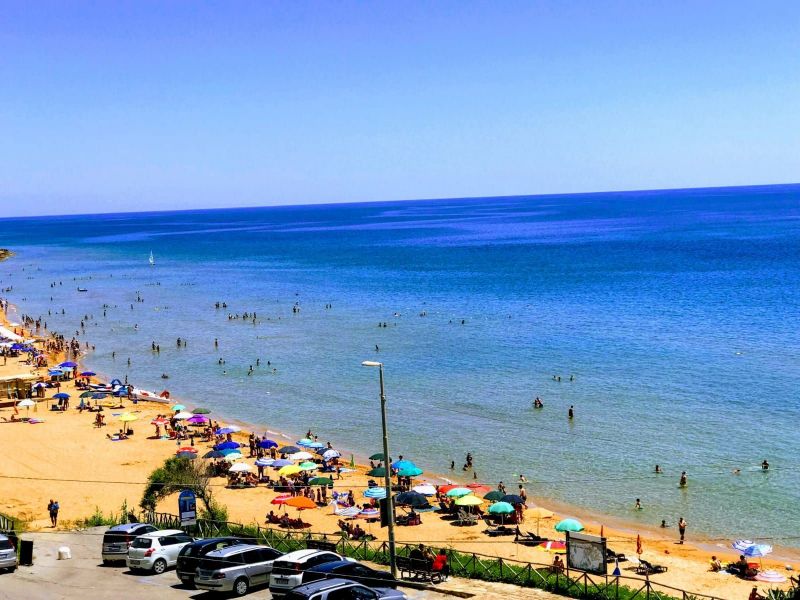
x,y
236,568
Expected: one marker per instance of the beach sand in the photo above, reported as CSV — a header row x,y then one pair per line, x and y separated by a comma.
x,y
68,459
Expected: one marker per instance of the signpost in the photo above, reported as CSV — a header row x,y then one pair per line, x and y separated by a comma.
x,y
187,508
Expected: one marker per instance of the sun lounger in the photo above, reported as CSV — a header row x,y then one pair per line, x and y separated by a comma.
x,y
498,531
646,568
612,556
465,518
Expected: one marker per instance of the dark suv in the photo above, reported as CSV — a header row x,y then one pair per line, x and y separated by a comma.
x,y
191,554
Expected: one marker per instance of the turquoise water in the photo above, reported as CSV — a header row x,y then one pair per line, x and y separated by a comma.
x,y
676,312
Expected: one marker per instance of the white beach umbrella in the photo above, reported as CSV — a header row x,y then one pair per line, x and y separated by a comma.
x,y
426,489
240,468
26,403
301,456
329,454
183,415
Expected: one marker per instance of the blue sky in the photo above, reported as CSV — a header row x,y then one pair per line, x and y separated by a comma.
x,y
116,106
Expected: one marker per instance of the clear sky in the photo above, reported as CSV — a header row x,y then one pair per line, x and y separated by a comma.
x,y
116,106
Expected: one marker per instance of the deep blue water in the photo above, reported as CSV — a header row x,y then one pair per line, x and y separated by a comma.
x,y
676,311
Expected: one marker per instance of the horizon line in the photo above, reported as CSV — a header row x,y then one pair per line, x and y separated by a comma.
x,y
397,201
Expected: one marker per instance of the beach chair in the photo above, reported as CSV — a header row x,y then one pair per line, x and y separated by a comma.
x,y
647,568
465,518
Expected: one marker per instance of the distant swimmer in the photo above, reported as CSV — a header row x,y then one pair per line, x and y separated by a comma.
x,y
638,505
765,465
737,471
684,479
572,377
376,348
571,412
658,469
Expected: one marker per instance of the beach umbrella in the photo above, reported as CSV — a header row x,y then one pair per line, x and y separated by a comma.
x,y
320,481
61,396
289,450
470,500
426,489
197,420
494,496
289,470
98,395
458,492
26,404
267,444
159,421
443,489
300,502
301,456
512,499
120,392
479,489
264,462
228,429
375,492
281,462
88,374
317,445
241,467
770,576
68,364
201,411
282,499
214,454
328,455
377,472
187,449
410,472
742,545
305,442
757,550
229,451
569,525
402,464
227,446
178,407
42,384
183,415
539,513
189,455
127,417
88,394
308,466
369,513
501,508
232,455
115,382
377,456
412,499
555,547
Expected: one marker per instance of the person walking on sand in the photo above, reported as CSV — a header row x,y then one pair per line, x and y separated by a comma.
x,y
682,528
52,508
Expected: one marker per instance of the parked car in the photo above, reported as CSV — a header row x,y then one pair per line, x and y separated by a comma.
x,y
236,568
347,569
157,550
288,571
190,555
118,539
8,554
342,589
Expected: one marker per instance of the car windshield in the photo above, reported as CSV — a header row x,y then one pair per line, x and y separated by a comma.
x,y
142,542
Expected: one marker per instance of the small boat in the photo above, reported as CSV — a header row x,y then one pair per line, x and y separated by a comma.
x,y
152,260
80,289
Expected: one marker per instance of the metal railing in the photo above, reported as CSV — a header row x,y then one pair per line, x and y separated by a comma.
x,y
570,583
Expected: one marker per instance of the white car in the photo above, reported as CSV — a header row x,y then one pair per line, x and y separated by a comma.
x,y
157,550
287,571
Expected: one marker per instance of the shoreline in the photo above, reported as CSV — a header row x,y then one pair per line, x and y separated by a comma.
x,y
620,532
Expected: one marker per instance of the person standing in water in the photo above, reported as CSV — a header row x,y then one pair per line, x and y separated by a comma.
x,y
684,479
682,528
571,413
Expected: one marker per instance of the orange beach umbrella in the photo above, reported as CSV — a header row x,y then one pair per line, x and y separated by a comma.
x,y
301,502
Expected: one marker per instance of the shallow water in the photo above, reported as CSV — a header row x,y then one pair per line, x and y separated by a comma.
x,y
675,311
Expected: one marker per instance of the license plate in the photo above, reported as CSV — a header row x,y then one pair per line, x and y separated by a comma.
x,y
283,580
134,562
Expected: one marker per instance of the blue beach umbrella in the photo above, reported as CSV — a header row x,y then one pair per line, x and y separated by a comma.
x,y
742,545
289,450
305,442
115,382
61,396
458,492
227,446
402,464
214,454
281,462
228,451
225,430
757,550
68,365
375,492
88,374
317,445
267,444
568,525
121,392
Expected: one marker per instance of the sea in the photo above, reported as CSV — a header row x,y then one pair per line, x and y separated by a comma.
x,y
667,319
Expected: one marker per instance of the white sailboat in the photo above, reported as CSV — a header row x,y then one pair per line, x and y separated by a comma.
x,y
152,260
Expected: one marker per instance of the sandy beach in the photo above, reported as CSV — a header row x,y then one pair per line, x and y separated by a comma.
x,y
67,458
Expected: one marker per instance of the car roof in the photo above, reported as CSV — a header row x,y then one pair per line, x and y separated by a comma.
x,y
161,532
323,585
231,550
302,554
3,537
216,540
330,566
127,527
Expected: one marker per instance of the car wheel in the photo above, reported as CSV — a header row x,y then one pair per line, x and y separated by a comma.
x,y
241,586
159,566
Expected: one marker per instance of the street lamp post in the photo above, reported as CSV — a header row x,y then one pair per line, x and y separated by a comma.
x,y
387,469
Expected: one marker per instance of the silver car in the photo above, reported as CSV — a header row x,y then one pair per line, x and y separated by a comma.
x,y
118,539
8,554
235,568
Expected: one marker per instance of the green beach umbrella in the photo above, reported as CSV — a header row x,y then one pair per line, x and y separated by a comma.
x,y
86,394
377,472
308,466
320,481
494,496
201,411
410,472
569,525
458,492
378,456
501,508
179,407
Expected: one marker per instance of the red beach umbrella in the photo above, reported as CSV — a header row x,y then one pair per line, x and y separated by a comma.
x,y
638,544
443,489
280,499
